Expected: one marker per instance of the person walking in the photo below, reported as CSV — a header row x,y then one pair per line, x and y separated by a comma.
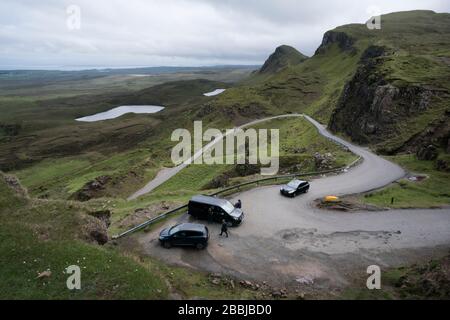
x,y
238,204
224,228
210,215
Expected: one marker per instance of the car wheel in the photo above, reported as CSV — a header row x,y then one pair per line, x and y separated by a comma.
x,y
200,246
167,245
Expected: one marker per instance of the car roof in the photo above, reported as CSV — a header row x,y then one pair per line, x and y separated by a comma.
x,y
209,200
298,181
191,227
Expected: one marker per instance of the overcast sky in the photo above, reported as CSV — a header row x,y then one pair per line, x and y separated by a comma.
x,y
174,32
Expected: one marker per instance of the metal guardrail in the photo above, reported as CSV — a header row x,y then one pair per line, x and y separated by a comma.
x,y
149,222
237,187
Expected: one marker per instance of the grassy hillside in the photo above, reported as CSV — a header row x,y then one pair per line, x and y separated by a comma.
x,y
38,109
38,236
47,136
52,84
432,189
425,281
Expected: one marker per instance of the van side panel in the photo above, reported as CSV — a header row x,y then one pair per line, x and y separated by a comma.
x,y
211,212
198,210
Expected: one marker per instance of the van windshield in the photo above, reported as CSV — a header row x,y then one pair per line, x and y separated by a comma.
x,y
228,207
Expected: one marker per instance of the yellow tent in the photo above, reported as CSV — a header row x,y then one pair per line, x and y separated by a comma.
x,y
331,199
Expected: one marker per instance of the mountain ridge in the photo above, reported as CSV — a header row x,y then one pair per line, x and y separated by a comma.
x,y
283,57
366,83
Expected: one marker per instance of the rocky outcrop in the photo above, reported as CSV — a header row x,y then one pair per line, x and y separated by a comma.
x,y
431,280
343,40
96,226
104,216
14,183
92,189
437,133
100,237
370,108
429,152
323,161
10,130
443,165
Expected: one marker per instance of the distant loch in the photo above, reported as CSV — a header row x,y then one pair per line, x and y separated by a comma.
x,y
120,111
214,93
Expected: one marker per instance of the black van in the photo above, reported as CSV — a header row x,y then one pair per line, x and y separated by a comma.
x,y
215,209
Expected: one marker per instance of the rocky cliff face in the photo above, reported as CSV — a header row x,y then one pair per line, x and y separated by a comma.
x,y
435,135
342,39
370,108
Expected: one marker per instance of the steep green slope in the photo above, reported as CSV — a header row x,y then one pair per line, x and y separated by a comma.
x,y
402,85
312,86
398,103
36,236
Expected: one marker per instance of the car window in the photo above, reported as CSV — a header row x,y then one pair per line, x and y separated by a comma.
x,y
294,184
174,230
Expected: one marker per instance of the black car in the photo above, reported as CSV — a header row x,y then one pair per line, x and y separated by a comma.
x,y
215,209
295,187
185,234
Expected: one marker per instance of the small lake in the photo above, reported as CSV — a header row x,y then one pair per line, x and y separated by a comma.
x,y
214,93
120,111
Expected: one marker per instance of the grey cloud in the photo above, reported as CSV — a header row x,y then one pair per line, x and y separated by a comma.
x,y
174,32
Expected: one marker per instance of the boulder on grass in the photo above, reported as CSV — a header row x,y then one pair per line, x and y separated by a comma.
x,y
428,153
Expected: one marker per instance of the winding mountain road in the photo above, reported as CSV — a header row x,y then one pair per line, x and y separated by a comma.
x,y
283,240
375,172
167,173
